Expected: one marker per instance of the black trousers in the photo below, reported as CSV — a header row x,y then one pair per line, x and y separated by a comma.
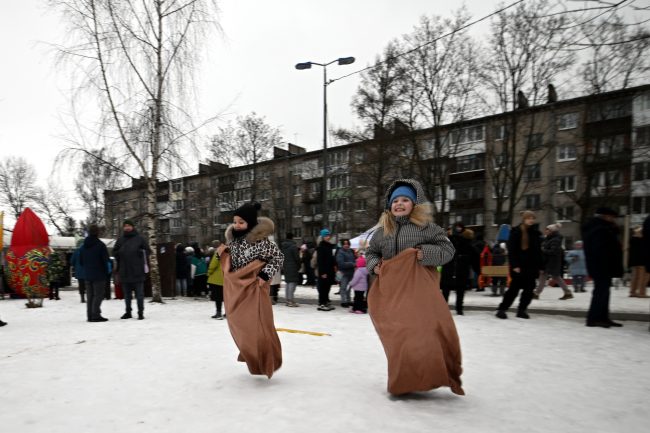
x,y
460,296
216,293
523,282
54,290
599,308
324,286
359,303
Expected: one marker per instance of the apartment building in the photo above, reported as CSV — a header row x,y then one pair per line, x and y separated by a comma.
x,y
562,159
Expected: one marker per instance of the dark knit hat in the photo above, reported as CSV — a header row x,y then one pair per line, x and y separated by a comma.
x,y
248,212
128,222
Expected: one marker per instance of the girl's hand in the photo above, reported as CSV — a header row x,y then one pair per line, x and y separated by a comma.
x,y
377,268
517,270
420,254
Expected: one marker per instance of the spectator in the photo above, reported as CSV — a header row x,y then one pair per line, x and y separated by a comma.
x,y
499,258
359,283
94,259
215,281
345,261
553,255
182,270
577,267
525,260
55,272
79,271
291,269
456,273
604,256
325,268
131,252
636,262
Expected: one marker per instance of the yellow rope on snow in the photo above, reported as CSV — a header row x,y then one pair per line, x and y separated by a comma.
x,y
297,331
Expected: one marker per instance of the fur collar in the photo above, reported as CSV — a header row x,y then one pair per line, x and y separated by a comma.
x,y
262,230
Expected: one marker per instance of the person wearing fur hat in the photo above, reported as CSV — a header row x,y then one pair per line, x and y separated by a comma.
x,y
525,260
553,255
405,303
249,260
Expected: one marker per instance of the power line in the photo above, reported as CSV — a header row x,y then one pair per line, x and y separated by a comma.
x,y
466,26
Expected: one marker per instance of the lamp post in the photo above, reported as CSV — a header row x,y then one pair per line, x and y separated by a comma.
x,y
308,65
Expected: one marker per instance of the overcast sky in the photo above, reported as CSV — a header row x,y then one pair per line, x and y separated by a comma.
x,y
249,66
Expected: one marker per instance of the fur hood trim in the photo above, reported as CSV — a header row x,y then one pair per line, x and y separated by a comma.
x,y
262,230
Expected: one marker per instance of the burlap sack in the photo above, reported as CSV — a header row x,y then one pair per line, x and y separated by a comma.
x,y
415,327
250,317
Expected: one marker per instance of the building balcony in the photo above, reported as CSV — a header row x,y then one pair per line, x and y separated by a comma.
x,y
312,197
471,203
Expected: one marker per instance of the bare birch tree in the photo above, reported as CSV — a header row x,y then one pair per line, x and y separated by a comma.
x,y
17,184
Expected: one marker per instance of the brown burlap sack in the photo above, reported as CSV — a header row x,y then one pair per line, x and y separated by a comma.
x,y
415,327
250,317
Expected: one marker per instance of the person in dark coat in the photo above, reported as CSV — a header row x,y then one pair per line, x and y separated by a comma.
x,y
306,250
94,258
455,273
346,262
604,255
131,251
325,270
525,260
553,256
290,268
182,270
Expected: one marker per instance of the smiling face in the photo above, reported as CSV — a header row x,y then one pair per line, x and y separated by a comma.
x,y
239,223
401,206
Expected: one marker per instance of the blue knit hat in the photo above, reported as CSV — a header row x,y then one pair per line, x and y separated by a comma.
x,y
325,232
403,191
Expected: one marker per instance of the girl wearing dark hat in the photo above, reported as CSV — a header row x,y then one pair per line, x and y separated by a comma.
x,y
249,260
405,303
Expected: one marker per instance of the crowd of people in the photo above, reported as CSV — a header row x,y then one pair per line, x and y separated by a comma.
x,y
406,253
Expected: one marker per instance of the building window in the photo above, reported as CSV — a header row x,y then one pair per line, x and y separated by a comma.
x,y
176,223
245,175
609,146
533,172
641,171
297,190
178,204
499,132
533,201
608,179
338,181
469,192
642,136
203,212
191,186
243,194
190,222
470,217
177,185
359,156
193,203
566,183
566,152
469,163
361,204
338,158
641,205
500,160
535,141
215,220
567,121
565,213
296,211
265,195
164,226
467,135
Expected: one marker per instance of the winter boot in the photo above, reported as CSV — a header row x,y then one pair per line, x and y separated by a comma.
x,y
523,315
126,315
140,315
501,314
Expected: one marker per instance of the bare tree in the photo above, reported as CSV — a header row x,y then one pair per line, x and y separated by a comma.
x,y
442,79
17,184
139,57
248,142
527,50
96,175
617,53
53,203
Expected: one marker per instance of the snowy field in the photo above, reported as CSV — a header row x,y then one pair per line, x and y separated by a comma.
x,y
176,372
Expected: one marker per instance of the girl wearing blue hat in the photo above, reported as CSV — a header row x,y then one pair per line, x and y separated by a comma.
x,y
405,303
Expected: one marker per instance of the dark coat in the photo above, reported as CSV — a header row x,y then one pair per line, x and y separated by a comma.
x,y
130,252
346,262
646,243
553,254
93,256
291,266
529,261
636,257
455,274
76,264
603,249
326,261
182,264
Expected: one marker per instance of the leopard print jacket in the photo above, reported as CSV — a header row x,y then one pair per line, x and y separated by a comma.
x,y
255,245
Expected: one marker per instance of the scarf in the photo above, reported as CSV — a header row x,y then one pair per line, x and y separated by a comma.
x,y
524,236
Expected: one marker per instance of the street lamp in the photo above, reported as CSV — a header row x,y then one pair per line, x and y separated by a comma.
x,y
307,65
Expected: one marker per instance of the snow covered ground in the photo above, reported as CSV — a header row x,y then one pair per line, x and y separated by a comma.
x,y
176,372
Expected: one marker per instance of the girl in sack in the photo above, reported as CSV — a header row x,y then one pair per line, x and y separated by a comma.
x,y
249,260
405,304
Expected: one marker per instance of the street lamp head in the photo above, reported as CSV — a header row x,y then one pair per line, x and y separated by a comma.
x,y
345,60
301,66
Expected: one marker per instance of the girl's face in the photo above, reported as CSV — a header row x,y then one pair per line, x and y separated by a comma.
x,y
529,221
401,206
239,223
